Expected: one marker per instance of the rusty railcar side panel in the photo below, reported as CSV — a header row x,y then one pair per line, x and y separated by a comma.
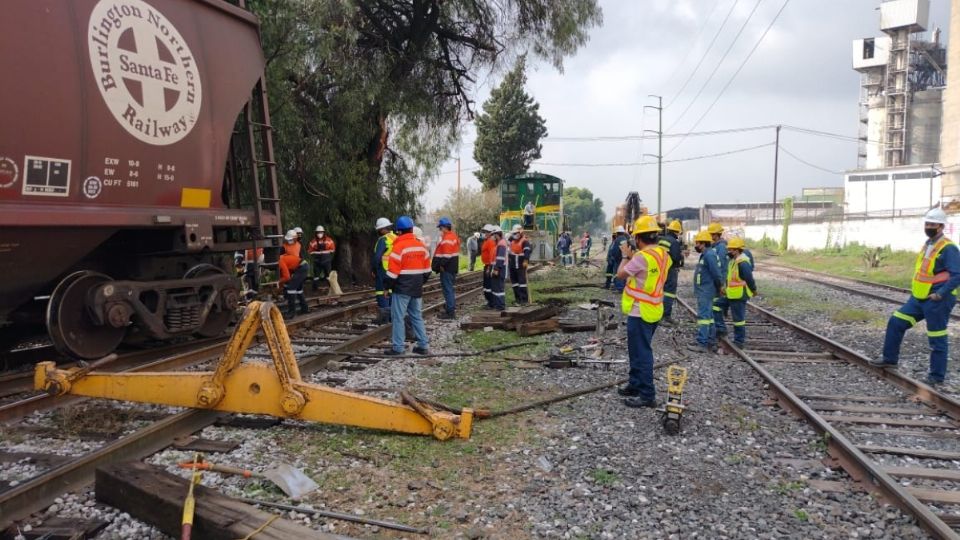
x,y
120,103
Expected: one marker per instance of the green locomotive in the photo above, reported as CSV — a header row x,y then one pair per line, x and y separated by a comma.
x,y
545,192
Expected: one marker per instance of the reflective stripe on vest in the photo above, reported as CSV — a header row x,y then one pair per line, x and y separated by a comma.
x,y
735,285
650,294
388,239
924,279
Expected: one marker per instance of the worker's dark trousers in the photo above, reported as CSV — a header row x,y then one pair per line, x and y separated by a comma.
x,y
322,265
293,290
738,311
473,260
936,314
518,279
720,306
670,291
498,290
610,272
487,284
250,276
640,351
449,296
706,330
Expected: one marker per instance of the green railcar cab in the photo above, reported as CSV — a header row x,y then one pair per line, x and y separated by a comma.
x,y
546,194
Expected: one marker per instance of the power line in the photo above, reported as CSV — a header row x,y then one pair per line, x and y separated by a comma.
x,y
615,138
645,163
807,163
735,73
716,68
848,138
693,44
705,53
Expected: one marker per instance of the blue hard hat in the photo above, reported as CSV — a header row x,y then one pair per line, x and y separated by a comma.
x,y
444,222
404,222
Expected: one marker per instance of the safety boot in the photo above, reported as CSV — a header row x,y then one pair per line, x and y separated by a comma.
x,y
303,309
290,308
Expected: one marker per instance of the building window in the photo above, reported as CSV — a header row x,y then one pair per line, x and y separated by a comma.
x,y
868,48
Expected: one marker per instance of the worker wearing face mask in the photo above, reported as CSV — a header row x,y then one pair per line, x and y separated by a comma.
x,y
933,294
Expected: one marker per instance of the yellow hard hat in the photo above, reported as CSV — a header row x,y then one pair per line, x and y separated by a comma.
x,y
703,236
675,226
736,243
715,228
645,224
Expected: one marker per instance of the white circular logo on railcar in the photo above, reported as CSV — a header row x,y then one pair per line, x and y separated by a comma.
x,y
145,71
92,187
8,172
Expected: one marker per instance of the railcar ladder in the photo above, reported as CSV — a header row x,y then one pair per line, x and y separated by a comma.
x,y
263,174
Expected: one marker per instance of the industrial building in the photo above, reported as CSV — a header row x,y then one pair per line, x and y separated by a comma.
x,y
902,101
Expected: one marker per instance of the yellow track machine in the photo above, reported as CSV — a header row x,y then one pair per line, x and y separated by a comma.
x,y
257,387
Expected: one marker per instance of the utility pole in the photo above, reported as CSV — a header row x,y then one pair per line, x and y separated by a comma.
x,y
458,176
776,170
659,154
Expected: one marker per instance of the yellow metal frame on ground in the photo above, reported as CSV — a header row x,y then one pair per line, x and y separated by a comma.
x,y
257,388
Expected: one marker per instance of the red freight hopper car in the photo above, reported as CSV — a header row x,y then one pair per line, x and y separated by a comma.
x,y
118,211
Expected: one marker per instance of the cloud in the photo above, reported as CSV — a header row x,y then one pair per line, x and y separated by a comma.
x,y
801,75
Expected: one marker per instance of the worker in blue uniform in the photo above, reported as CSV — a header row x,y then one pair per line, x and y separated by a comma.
x,y
720,305
378,267
740,288
707,285
614,256
671,242
933,294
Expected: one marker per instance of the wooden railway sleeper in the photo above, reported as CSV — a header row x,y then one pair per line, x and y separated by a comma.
x,y
258,388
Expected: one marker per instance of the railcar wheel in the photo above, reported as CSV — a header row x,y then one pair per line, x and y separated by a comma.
x,y
218,319
69,324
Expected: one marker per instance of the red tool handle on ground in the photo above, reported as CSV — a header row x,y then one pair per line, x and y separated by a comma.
x,y
206,466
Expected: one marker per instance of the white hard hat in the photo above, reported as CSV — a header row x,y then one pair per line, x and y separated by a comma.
x,y
418,233
620,229
517,228
320,228
298,230
936,215
487,228
494,229
290,236
382,223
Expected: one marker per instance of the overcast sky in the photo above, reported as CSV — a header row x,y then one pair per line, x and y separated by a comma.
x,y
800,75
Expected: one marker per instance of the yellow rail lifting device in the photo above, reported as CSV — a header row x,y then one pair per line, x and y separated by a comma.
x,y
257,387
673,409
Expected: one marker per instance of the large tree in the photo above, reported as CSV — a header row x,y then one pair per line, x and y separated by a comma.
x,y
509,130
471,209
368,96
582,211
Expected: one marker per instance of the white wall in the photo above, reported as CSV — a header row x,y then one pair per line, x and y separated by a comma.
x,y
899,233
879,196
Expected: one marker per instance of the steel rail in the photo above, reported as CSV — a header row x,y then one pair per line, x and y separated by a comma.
x,y
40,491
798,274
926,393
892,288
854,462
42,402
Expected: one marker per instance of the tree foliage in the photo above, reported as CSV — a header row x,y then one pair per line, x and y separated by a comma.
x,y
509,130
368,96
471,209
583,212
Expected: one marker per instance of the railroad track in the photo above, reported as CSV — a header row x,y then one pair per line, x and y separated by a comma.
x,y
18,399
340,335
896,436
859,287
13,361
